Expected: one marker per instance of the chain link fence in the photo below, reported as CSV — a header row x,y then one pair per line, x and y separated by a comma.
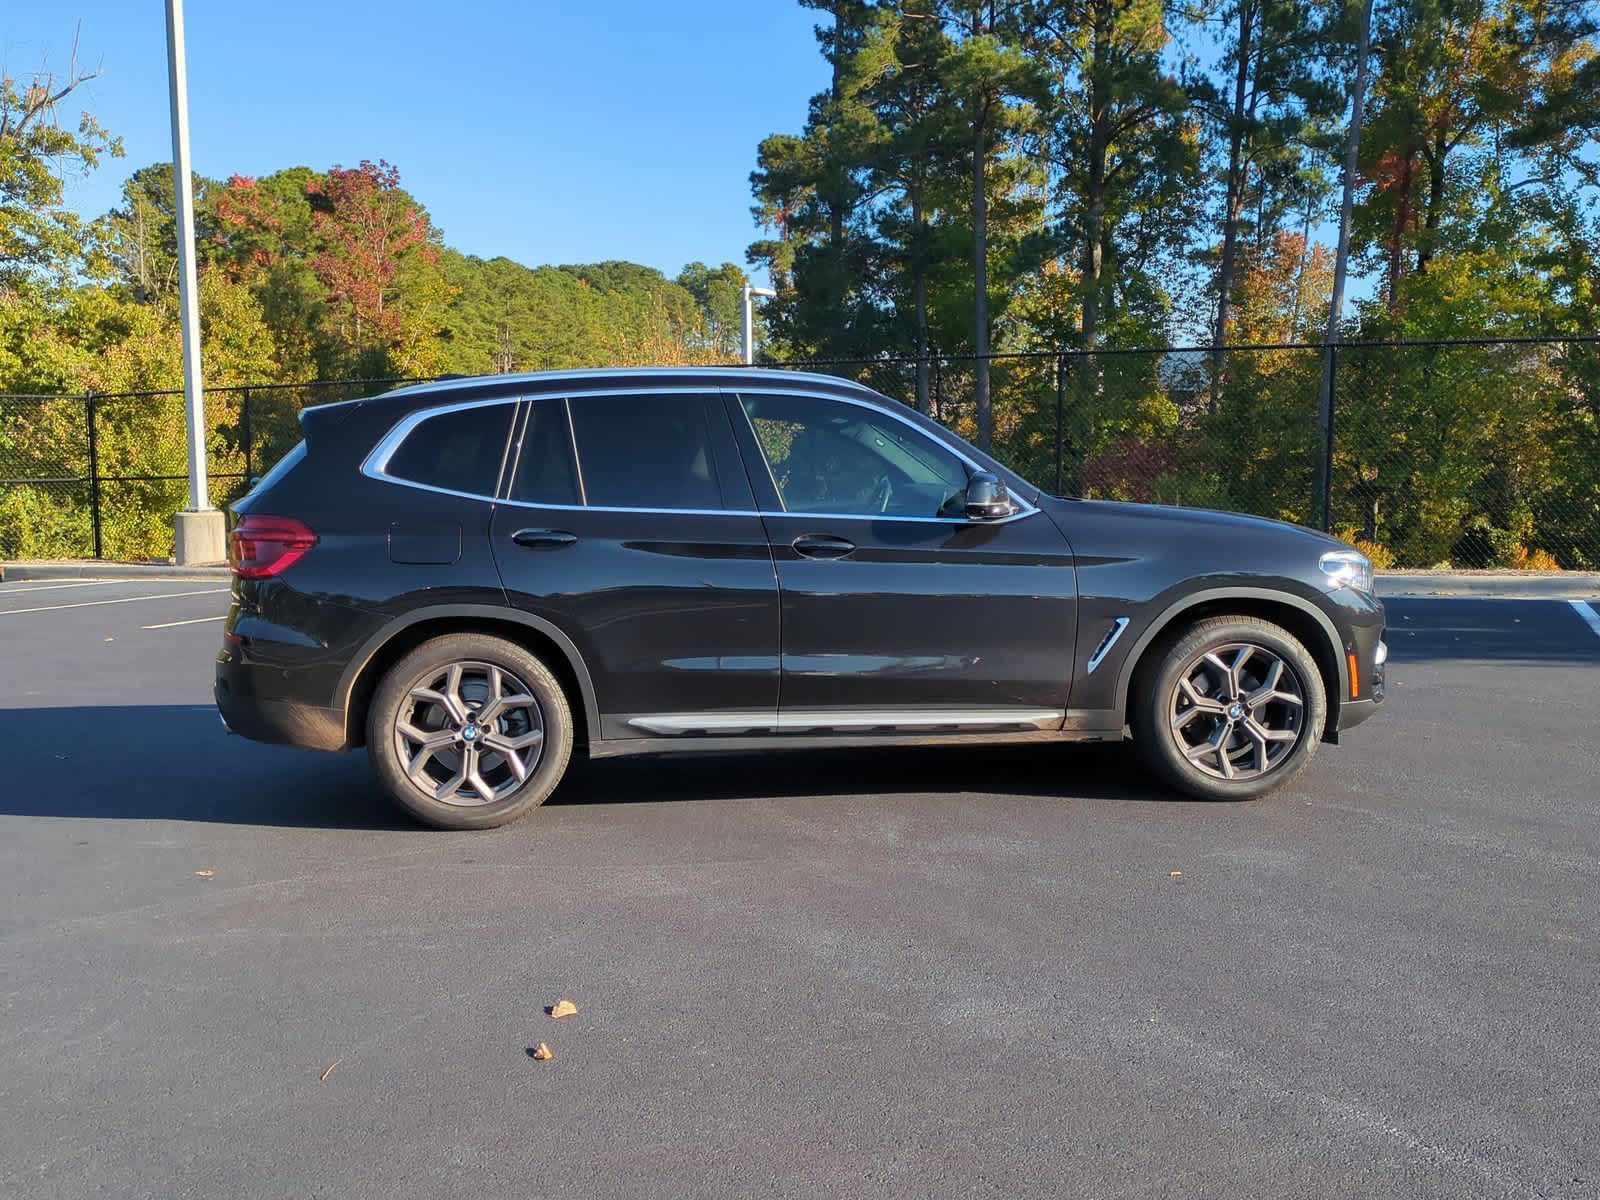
x,y
101,475
1466,453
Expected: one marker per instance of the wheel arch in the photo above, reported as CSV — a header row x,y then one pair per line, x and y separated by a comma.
x,y
539,636
1308,623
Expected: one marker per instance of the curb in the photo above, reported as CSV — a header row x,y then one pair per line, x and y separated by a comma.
x,y
156,572
1574,585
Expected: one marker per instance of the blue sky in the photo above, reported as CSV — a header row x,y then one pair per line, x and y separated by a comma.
x,y
546,131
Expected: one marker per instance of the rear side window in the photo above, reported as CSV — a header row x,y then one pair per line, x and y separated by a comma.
x,y
545,473
645,451
460,451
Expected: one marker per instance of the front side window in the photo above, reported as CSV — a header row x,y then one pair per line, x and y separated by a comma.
x,y
827,456
645,451
460,451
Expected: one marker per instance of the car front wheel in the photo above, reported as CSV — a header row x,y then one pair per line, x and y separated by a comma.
x,y
1234,708
469,731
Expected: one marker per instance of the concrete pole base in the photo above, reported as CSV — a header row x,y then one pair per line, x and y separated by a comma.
x,y
200,537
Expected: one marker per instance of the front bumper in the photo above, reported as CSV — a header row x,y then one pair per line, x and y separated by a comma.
x,y
1371,684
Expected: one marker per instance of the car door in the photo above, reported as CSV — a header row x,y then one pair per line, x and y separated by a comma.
x,y
899,611
628,522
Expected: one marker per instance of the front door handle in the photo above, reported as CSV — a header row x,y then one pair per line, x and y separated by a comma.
x,y
544,539
823,545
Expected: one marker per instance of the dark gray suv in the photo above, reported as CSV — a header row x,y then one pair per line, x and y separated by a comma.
x,y
478,577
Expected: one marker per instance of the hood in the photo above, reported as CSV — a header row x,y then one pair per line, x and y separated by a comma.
x,y
1201,520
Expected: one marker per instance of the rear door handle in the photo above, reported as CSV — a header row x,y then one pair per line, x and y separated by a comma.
x,y
822,545
544,539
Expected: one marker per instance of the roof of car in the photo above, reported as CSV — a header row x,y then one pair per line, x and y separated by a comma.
x,y
712,376
489,386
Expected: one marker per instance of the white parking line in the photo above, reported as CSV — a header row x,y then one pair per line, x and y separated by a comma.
x,y
17,612
50,587
1590,617
192,621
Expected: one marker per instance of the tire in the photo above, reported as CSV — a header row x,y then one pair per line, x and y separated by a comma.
x,y
486,763
1236,731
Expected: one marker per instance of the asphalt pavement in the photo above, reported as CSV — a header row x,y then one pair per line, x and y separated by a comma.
x,y
232,970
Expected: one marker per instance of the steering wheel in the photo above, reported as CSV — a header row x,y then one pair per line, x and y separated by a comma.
x,y
881,494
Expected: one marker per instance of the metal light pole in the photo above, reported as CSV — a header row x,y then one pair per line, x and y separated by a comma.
x,y
749,341
199,530
1341,259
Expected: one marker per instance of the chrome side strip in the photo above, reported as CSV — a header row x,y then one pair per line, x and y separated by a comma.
x,y
728,722
812,720
1109,641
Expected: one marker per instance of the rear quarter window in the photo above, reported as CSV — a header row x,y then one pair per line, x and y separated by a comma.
x,y
459,451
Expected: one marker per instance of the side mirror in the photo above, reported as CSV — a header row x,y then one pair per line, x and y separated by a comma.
x,y
987,498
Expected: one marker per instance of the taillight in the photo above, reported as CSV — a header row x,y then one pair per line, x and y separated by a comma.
x,y
264,546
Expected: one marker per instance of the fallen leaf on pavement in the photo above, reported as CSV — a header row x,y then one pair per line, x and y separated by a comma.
x,y
562,1008
541,1052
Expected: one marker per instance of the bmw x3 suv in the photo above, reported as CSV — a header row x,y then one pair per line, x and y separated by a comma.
x,y
478,578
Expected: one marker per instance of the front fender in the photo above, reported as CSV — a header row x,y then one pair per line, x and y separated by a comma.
x,y
1331,650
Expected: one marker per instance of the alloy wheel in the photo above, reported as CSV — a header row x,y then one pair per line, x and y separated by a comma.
x,y
1238,711
469,733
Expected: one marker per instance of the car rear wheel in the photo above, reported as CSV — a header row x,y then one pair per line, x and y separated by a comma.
x,y
1232,709
469,731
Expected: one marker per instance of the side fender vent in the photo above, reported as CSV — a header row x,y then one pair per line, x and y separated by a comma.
x,y
1110,640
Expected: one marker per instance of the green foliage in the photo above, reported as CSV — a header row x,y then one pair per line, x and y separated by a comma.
x,y
39,238
1024,175
719,296
505,316
303,275
38,521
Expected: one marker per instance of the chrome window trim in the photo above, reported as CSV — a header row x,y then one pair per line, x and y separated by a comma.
x,y
376,463
572,441
833,516
519,434
373,466
607,508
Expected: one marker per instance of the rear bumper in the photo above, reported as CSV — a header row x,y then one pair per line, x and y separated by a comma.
x,y
272,719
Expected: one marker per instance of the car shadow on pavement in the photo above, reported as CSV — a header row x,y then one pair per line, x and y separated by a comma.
x,y
176,763
1045,769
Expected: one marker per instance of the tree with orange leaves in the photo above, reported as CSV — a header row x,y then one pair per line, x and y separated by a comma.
x,y
379,262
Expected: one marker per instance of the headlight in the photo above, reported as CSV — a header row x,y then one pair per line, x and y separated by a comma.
x,y
1347,568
